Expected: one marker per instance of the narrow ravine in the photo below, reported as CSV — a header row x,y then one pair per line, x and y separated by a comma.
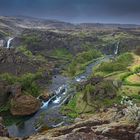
x,y
49,114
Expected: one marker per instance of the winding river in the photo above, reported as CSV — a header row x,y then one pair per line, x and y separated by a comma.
x,y
49,114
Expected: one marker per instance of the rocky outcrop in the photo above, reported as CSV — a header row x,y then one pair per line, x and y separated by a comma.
x,y
3,92
46,95
94,94
24,105
15,90
1,43
101,126
20,104
17,63
7,91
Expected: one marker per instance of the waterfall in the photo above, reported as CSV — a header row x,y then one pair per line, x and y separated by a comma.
x,y
117,48
9,42
56,99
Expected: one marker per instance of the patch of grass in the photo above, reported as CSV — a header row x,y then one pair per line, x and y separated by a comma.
x,y
80,62
31,39
27,82
133,79
25,51
70,109
119,64
130,90
62,53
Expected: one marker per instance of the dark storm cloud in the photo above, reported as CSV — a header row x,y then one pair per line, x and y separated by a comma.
x,y
123,11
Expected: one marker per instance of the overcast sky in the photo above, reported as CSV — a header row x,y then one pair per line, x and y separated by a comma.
x,y
110,11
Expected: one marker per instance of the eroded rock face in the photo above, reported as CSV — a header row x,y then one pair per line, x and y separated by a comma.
x,y
7,91
17,63
98,127
3,92
24,105
15,90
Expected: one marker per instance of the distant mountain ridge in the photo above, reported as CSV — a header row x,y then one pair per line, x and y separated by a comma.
x,y
15,25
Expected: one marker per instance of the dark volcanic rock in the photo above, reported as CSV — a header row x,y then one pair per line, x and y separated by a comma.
x,y
4,94
3,130
16,63
15,90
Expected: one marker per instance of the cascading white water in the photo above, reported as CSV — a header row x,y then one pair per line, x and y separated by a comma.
x,y
9,42
56,99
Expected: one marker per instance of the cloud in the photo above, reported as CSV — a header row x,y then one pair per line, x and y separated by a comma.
x,y
75,10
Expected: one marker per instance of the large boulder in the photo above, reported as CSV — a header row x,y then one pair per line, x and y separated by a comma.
x,y
24,105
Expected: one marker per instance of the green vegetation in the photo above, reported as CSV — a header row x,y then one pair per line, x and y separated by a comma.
x,y
2,33
91,97
70,109
27,82
119,64
29,54
25,51
62,53
117,37
80,62
31,39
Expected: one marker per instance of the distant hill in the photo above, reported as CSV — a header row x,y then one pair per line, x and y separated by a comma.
x,y
17,24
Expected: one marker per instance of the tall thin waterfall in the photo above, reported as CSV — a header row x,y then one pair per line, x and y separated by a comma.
x,y
117,48
9,42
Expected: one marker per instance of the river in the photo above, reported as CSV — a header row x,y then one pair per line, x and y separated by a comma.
x,y
49,114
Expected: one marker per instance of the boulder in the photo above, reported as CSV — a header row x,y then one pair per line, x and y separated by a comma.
x,y
24,105
45,96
